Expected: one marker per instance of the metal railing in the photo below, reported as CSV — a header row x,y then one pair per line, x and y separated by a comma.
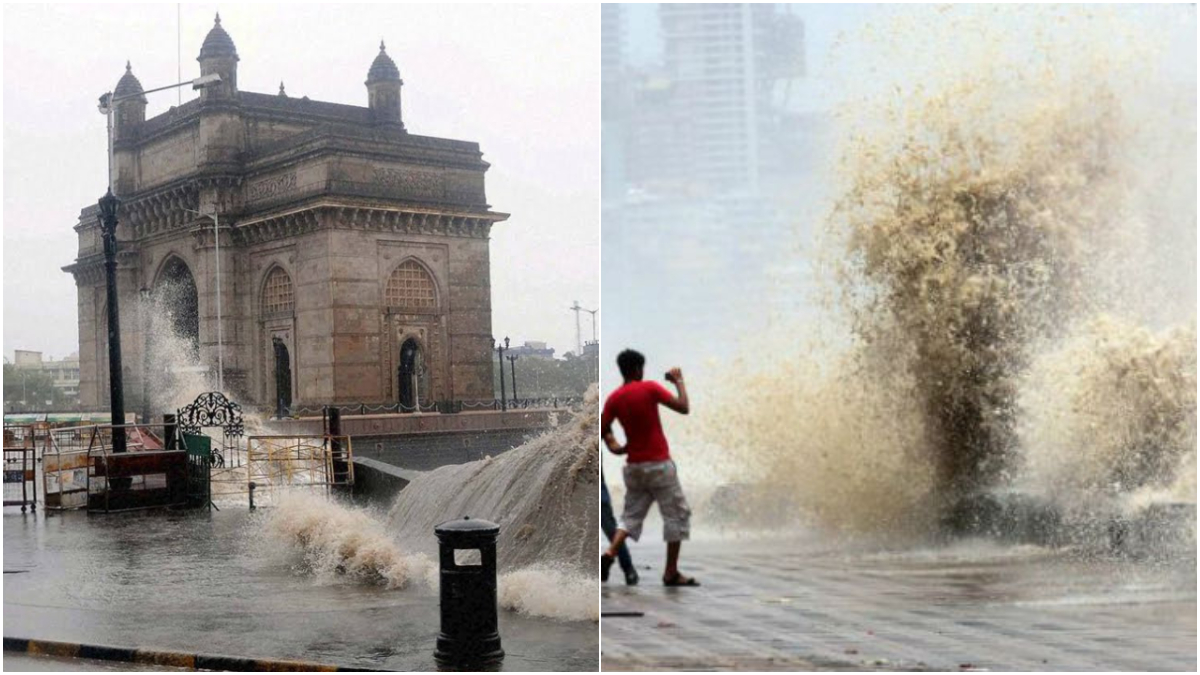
x,y
20,476
65,465
283,461
442,407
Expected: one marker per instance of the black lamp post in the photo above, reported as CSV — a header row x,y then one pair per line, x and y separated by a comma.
x,y
144,311
512,361
500,354
108,228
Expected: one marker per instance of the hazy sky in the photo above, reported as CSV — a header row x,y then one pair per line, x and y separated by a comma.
x,y
522,80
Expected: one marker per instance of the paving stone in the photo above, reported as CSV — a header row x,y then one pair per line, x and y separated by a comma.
x,y
768,606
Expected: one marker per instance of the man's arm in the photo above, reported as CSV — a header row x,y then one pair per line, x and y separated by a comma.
x,y
677,403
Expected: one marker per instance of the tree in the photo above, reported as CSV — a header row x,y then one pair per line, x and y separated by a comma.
x,y
30,389
546,378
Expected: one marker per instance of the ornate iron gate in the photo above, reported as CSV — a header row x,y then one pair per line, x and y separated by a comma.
x,y
211,410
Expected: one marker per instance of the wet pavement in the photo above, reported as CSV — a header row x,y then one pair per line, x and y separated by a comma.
x,y
209,583
975,605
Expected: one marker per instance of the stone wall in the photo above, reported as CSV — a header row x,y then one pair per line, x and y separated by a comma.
x,y
337,207
426,451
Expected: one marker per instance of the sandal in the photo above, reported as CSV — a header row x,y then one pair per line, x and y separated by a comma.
x,y
606,563
680,580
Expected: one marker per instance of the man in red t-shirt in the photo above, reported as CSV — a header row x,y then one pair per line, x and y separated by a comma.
x,y
650,473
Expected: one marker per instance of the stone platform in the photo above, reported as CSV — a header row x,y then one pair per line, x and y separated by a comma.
x,y
975,605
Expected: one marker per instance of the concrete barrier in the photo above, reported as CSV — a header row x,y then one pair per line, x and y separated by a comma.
x,y
167,658
378,483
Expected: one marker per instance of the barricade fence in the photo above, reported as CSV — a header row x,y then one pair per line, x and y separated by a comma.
x,y
275,462
65,465
20,477
151,473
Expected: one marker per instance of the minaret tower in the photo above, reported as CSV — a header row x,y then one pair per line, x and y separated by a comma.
x,y
383,90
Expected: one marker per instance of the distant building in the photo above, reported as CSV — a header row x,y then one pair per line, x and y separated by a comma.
x,y
708,119
64,372
591,350
532,348
354,255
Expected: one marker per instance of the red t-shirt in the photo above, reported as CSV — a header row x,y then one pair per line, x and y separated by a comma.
x,y
635,406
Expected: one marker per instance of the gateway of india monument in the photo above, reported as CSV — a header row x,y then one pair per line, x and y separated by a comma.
x,y
354,260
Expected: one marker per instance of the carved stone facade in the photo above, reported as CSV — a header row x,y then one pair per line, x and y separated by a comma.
x,y
321,207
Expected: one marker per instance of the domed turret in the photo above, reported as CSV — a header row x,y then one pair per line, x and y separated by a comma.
x,y
129,85
219,55
129,113
383,67
383,89
218,43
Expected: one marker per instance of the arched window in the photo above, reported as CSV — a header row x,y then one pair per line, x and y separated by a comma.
x,y
278,297
410,287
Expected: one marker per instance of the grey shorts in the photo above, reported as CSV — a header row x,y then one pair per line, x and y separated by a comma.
x,y
646,483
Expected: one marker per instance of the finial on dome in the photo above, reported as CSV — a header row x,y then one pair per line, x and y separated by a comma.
x,y
218,20
381,47
128,67
281,91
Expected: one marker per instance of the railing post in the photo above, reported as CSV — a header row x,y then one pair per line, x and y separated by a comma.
x,y
170,432
338,462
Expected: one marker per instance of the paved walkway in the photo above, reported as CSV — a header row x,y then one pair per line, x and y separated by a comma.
x,y
972,606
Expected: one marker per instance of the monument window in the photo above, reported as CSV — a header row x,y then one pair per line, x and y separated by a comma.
x,y
278,296
410,287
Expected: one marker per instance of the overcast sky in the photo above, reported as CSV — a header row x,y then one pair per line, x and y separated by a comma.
x,y
523,81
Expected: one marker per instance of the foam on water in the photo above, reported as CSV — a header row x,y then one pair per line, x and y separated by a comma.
x,y
543,494
331,541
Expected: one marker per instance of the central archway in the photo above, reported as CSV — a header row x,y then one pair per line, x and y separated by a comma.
x,y
283,377
410,371
175,292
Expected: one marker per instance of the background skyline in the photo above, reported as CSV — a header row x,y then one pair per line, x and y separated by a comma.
x,y
519,80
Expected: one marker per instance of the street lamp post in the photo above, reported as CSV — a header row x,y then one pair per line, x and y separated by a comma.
x,y
108,206
144,314
116,392
512,362
500,354
216,218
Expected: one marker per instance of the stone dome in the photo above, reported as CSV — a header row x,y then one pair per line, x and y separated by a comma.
x,y
217,43
129,85
383,68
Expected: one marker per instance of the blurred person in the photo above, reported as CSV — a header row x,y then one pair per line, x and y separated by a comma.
x,y
608,522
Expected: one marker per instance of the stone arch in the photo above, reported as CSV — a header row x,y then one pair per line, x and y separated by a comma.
x,y
412,373
175,294
412,288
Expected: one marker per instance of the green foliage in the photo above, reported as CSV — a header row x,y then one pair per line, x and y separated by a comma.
x,y
34,387
546,378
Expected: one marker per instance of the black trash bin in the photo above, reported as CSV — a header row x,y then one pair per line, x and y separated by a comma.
x,y
470,623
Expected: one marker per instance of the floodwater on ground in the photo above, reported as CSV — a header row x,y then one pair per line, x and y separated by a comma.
x,y
212,583
790,601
